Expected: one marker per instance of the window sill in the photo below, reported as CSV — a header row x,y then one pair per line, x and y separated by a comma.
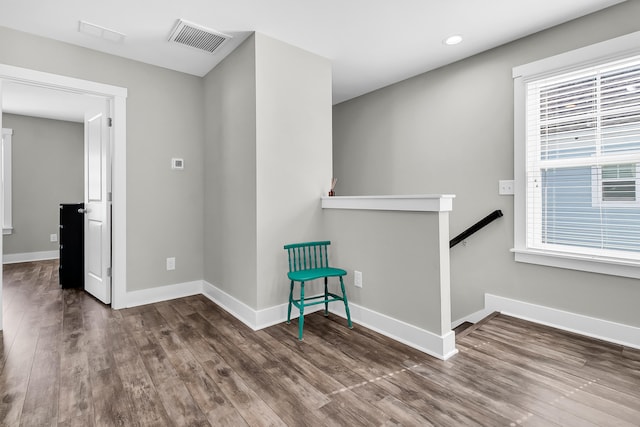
x,y
588,263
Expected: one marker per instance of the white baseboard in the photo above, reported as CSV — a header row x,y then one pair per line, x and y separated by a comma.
x,y
472,318
30,256
163,293
234,306
278,314
255,319
596,328
441,347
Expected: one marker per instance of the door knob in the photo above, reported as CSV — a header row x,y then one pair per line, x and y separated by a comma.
x,y
83,211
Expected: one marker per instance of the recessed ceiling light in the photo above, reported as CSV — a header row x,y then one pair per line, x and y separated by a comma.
x,y
451,40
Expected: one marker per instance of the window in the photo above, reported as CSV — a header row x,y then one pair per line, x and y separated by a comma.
x,y
618,183
578,159
616,186
5,154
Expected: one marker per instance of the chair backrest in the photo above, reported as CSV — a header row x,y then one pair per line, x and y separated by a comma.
x,y
308,255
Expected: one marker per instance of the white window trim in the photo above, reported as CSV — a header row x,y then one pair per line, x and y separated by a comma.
x,y
610,50
7,217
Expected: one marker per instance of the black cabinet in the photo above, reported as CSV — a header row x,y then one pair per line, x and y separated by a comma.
x,y
72,245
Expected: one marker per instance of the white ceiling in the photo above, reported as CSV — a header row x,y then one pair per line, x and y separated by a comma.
x,y
371,43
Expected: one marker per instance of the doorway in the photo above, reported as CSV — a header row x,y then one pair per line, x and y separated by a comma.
x,y
117,152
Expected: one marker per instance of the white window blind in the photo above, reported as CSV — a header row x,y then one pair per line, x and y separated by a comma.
x,y
583,161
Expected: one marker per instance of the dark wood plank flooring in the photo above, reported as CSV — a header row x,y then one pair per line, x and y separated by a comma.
x,y
67,360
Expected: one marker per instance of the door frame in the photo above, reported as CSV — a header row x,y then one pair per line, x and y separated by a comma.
x,y
118,97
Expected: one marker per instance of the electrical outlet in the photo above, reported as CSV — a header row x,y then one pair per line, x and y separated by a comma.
x,y
357,279
505,187
53,237
171,263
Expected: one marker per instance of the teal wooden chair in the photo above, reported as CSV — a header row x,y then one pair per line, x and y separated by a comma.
x,y
310,261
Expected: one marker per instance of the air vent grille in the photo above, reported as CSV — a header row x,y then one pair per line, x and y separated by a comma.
x,y
198,37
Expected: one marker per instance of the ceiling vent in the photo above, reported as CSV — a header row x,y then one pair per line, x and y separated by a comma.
x,y
102,32
198,37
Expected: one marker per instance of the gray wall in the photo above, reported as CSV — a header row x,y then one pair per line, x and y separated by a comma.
x,y
230,175
293,153
164,120
47,169
451,131
267,162
400,267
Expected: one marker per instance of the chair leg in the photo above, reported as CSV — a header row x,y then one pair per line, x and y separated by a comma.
x,y
326,298
346,304
301,318
290,302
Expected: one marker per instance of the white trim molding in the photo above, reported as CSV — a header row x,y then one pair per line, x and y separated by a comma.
x,y
439,346
531,250
255,319
415,203
590,326
591,263
163,293
434,345
30,256
232,305
472,318
118,95
626,45
7,203
441,343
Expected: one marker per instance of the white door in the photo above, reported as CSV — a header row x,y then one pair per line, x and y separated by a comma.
x,y
97,204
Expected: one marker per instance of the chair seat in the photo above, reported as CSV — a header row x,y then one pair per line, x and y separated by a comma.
x,y
315,273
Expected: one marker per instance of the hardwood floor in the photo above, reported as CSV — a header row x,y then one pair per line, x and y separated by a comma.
x,y
67,360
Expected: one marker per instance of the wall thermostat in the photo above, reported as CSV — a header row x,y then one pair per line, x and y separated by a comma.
x,y
177,164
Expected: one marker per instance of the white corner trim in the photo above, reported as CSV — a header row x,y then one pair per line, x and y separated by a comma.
x,y
441,347
418,202
232,305
163,293
617,333
255,319
30,256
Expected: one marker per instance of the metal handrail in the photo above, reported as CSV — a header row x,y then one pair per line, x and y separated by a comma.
x,y
475,227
